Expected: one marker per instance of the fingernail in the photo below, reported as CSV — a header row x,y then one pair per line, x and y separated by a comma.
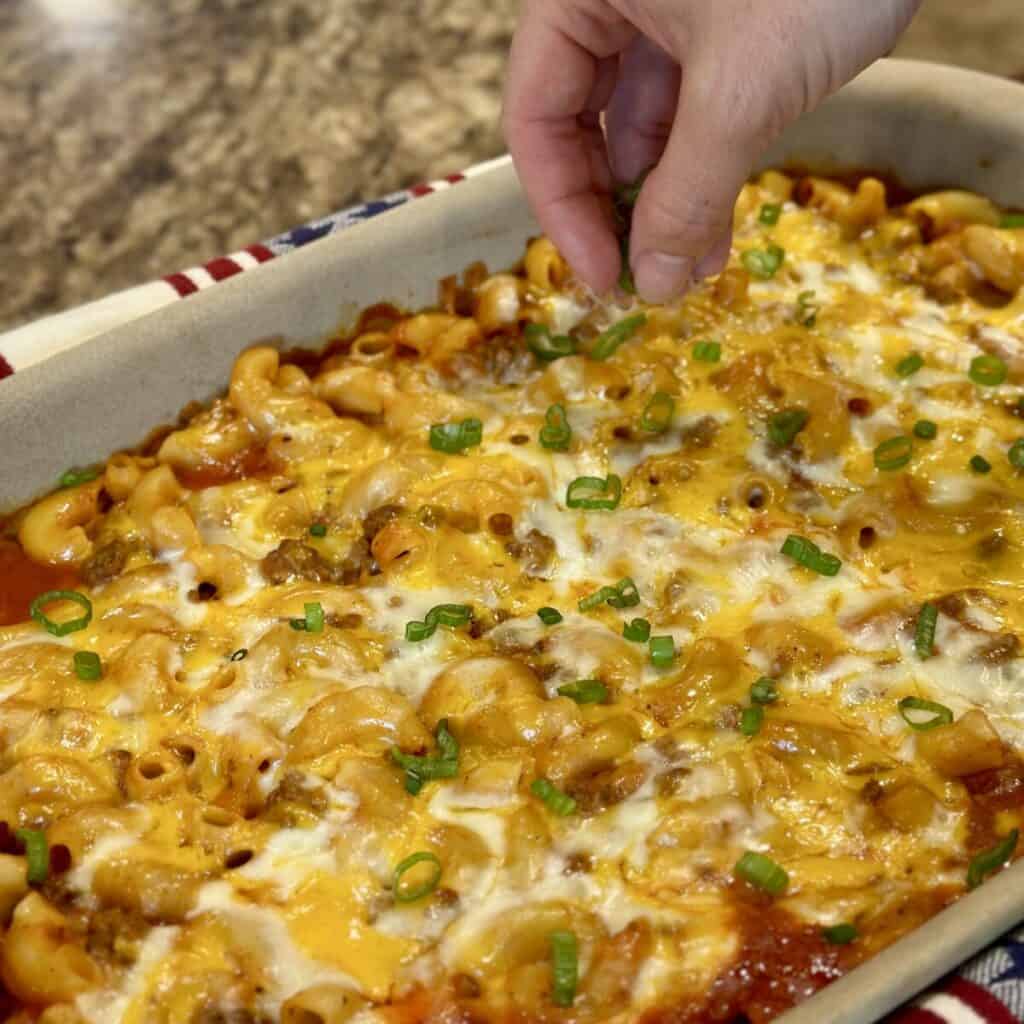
x,y
661,276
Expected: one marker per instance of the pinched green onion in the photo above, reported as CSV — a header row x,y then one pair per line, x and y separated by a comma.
x,y
991,860
240,654
564,967
979,464
988,371
626,282
657,415
707,351
314,618
807,308
546,346
894,453
785,425
318,530
926,430
762,872
622,595
770,213
456,437
763,263
37,854
1012,220
406,893
924,632
638,630
68,625
77,477
419,769
594,492
810,556
764,691
1016,454
585,691
663,651
549,616
607,343
440,615
751,720
557,802
556,432
839,934
909,365
88,666
939,713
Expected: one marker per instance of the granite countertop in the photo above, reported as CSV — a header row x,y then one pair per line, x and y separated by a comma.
x,y
139,138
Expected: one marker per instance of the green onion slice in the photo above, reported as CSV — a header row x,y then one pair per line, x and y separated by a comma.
x,y
839,934
638,630
762,872
451,615
707,351
549,616
77,477
763,263
991,860
546,346
318,530
585,691
456,437
1016,454
594,492
607,343
557,802
658,412
556,432
940,714
622,595
663,650
1012,220
785,425
88,666
564,967
626,282
770,213
988,371
810,556
807,308
894,453
68,625
409,893
418,769
909,365
37,854
764,691
751,720
313,622
924,632
926,430
980,464
627,194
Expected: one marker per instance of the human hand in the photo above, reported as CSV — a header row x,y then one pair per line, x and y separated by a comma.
x,y
695,90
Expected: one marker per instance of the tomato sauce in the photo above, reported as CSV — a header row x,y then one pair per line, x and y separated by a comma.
x,y
22,580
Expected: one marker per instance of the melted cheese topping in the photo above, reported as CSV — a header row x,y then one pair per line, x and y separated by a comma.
x,y
228,790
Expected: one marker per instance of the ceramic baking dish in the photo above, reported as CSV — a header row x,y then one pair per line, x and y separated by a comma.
x,y
925,125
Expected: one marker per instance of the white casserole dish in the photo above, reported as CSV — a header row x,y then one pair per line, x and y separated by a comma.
x,y
925,125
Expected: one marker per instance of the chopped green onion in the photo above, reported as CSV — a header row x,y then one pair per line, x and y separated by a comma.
x,y
785,425
607,343
419,769
585,691
763,263
751,719
810,556
762,872
557,802
764,691
549,616
657,415
1012,220
638,630
924,633
564,967
88,666
940,714
770,213
628,193
440,615
663,650
894,453
76,477
69,625
456,437
926,430
594,492
416,631
988,371
545,346
37,854
318,530
991,860
807,308
840,934
556,432
313,621
622,595
909,365
1016,454
707,351
980,464
626,282
240,654
405,893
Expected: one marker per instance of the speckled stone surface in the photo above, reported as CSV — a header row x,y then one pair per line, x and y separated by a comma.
x,y
139,137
